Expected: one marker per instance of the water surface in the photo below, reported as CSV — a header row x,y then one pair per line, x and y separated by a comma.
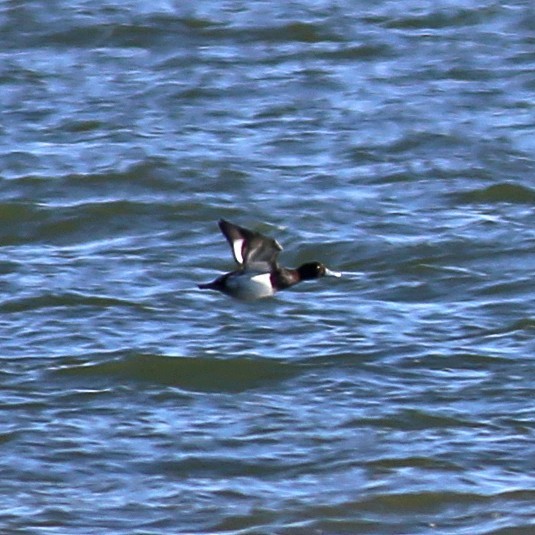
x,y
391,140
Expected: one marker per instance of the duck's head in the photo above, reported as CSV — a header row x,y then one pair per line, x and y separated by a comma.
x,y
315,270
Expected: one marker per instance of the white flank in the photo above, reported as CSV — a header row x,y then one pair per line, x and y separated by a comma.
x,y
251,288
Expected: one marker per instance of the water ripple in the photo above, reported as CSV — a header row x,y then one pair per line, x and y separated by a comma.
x,y
392,141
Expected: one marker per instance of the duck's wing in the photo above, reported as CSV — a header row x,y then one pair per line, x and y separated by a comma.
x,y
251,250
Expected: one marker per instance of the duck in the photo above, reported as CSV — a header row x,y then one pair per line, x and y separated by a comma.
x,y
259,274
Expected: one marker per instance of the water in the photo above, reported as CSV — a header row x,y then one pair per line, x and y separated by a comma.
x,y
391,140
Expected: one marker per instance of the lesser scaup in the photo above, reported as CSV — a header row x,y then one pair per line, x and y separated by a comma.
x,y
259,274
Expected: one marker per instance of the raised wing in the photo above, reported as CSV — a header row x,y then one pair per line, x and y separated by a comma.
x,y
251,250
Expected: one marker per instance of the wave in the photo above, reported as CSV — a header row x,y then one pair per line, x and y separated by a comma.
x,y
205,373
505,192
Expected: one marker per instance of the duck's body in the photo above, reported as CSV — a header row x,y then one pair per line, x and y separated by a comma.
x,y
259,274
243,285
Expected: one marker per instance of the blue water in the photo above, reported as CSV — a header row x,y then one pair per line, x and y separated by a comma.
x,y
392,141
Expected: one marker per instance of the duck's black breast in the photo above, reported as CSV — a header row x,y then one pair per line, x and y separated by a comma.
x,y
284,278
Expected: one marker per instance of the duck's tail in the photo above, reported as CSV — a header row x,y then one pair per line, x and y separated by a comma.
x,y
218,284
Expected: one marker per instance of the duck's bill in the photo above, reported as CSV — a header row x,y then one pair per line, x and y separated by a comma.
x,y
330,273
